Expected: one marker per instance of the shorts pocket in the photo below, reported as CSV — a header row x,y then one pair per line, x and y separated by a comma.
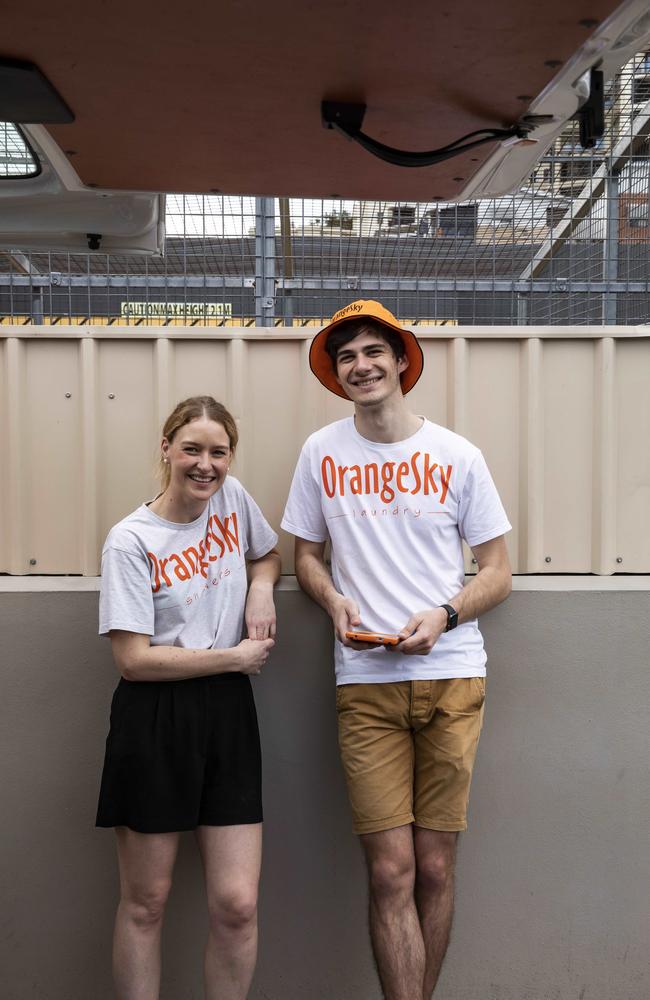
x,y
342,696
478,684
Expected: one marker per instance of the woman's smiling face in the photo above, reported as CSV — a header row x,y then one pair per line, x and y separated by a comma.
x,y
199,457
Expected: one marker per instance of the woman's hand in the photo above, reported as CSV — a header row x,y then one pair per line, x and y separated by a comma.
x,y
252,654
260,611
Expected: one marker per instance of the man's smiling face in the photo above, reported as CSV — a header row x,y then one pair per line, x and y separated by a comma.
x,y
367,369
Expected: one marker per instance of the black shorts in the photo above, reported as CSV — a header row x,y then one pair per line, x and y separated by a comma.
x,y
182,754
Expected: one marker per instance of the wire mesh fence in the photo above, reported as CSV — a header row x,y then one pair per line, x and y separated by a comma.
x,y
571,246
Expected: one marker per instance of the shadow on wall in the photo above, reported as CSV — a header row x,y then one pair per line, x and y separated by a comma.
x,y
552,898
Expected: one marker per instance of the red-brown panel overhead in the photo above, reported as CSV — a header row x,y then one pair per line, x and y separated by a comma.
x,y
226,97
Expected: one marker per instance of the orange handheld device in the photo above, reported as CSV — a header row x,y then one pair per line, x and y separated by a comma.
x,y
373,637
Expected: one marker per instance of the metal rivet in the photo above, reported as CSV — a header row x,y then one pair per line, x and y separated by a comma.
x,y
619,559
547,559
111,395
68,395
474,563
32,562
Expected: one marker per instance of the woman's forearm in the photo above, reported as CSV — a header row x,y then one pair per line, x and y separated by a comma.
x,y
143,662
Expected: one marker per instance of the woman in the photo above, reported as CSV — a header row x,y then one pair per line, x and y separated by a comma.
x,y
183,747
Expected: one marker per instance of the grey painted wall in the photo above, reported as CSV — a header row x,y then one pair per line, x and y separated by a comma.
x,y
553,877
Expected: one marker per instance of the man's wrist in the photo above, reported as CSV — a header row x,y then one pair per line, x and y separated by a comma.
x,y
332,602
452,617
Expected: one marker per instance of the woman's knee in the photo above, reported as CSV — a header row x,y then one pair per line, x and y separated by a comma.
x,y
235,910
144,905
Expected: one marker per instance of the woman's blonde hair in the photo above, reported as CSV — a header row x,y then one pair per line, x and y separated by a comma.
x,y
190,409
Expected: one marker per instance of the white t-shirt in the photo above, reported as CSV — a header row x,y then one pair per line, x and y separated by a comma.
x,y
184,584
396,514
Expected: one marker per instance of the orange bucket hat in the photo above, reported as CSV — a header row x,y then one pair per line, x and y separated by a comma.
x,y
321,363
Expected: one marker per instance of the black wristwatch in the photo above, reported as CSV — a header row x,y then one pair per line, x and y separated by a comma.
x,y
452,617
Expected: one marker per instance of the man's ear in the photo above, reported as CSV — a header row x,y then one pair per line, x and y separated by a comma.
x,y
402,364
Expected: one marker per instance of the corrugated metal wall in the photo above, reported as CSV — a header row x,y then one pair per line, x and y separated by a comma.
x,y
561,413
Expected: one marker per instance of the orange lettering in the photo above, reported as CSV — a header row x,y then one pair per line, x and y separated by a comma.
x,y
355,480
372,468
402,471
414,467
192,557
342,470
203,566
163,563
222,547
229,536
387,492
445,482
428,475
180,569
154,566
328,469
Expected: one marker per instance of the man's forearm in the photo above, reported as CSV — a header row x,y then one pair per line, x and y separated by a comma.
x,y
316,580
488,588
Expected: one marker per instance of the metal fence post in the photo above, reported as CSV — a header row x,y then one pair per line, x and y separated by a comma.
x,y
264,261
610,249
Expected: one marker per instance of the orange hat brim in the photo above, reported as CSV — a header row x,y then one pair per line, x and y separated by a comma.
x,y
321,363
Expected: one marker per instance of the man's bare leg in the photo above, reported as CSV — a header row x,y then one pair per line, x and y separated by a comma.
x,y
435,853
395,930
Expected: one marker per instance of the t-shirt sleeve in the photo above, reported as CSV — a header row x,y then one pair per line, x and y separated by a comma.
x,y
481,515
303,514
260,537
125,597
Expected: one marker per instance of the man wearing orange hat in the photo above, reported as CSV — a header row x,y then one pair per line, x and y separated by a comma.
x,y
397,495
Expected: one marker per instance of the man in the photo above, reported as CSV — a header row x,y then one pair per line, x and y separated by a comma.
x,y
396,495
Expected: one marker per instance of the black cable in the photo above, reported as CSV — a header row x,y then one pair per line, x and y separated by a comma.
x,y
347,119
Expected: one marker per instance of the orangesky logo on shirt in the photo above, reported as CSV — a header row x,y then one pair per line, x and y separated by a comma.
x,y
221,537
417,475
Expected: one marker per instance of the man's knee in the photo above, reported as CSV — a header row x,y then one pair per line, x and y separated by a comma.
x,y
435,871
391,875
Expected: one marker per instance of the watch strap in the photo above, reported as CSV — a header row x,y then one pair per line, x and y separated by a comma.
x,y
452,617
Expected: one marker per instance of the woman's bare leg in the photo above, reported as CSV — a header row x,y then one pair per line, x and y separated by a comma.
x,y
232,858
146,864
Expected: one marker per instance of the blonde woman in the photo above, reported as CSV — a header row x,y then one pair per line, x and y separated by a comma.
x,y
183,748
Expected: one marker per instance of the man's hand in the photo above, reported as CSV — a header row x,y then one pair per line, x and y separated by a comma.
x,y
345,617
422,631
260,611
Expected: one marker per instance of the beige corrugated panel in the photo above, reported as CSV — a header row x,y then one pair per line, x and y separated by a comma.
x,y
562,415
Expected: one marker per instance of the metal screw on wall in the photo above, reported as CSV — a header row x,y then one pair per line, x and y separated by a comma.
x,y
68,395
111,395
32,562
619,559
547,559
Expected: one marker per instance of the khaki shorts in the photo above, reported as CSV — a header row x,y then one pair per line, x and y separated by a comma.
x,y
408,750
